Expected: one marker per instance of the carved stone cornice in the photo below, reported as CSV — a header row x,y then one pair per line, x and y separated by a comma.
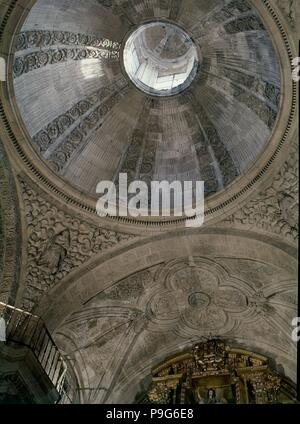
x,y
58,242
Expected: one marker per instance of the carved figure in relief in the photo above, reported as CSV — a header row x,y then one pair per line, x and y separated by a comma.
x,y
52,257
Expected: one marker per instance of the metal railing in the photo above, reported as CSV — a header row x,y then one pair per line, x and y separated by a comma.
x,y
29,330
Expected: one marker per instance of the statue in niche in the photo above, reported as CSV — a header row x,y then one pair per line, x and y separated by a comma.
x,y
54,254
199,398
210,398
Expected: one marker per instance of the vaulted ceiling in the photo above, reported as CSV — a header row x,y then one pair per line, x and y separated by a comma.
x,y
129,324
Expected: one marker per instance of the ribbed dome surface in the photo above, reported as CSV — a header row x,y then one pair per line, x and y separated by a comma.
x,y
89,122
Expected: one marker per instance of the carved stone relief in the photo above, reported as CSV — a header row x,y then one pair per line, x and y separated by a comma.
x,y
75,141
262,110
249,23
58,243
41,39
213,139
49,135
129,289
220,16
289,8
131,159
276,209
177,302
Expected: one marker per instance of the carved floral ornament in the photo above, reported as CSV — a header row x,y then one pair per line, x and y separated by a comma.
x,y
37,60
40,38
275,209
213,372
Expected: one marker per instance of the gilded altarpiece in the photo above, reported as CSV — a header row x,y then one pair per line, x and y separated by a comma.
x,y
214,373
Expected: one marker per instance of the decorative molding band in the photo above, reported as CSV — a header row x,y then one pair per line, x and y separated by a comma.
x,y
248,23
37,60
228,168
266,89
40,38
59,159
131,160
259,96
49,135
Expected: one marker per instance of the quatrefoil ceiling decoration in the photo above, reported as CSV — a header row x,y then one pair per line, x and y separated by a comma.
x,y
203,296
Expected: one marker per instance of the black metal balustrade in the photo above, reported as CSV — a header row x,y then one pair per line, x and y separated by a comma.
x,y
29,330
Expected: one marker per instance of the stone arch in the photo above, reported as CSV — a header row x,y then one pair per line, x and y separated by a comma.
x,y
10,236
255,275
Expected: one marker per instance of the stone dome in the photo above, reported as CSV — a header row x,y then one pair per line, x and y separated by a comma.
x,y
88,118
